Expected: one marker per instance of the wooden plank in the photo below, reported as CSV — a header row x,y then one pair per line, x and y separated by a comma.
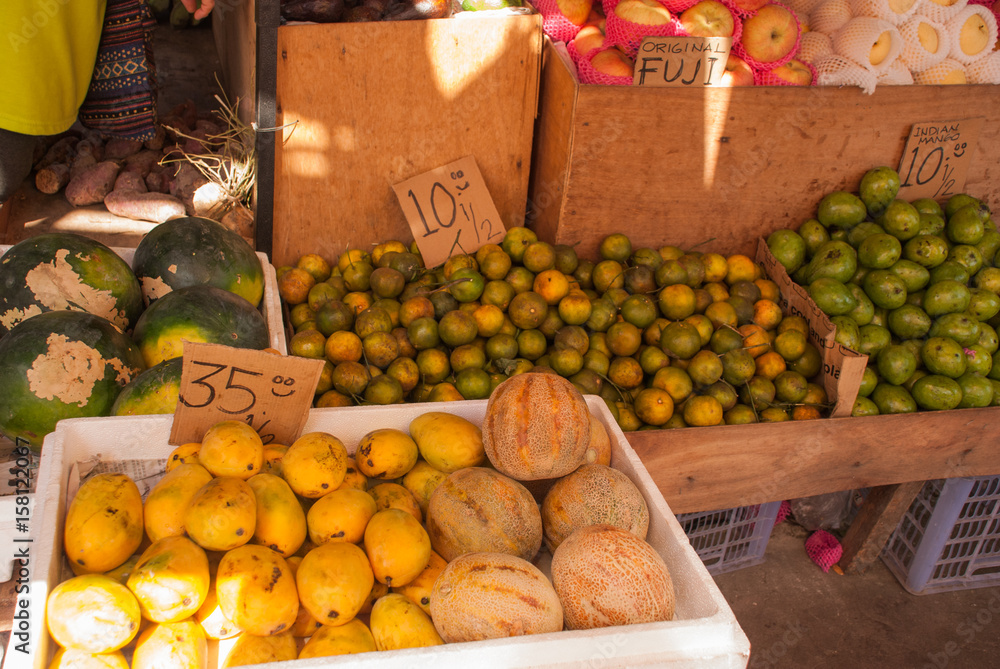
x,y
376,103
876,520
235,32
709,468
734,163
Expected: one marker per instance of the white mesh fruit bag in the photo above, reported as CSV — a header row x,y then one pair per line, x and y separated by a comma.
x,y
835,70
893,11
985,70
554,23
925,43
871,43
941,11
830,16
973,34
628,34
898,74
803,8
813,46
948,71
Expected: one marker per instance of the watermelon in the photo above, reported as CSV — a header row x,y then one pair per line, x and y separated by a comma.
x,y
62,270
200,314
192,251
61,364
154,391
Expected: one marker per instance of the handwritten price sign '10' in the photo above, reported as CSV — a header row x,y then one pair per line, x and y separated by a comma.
x,y
450,211
936,158
270,393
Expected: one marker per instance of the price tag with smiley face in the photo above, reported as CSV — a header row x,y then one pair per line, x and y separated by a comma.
x,y
271,393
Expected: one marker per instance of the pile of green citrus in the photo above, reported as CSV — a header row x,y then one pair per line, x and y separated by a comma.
x,y
913,285
667,337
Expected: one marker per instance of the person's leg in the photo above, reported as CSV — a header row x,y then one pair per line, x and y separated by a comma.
x,y
16,152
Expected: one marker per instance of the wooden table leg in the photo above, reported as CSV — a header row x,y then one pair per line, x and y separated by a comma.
x,y
877,518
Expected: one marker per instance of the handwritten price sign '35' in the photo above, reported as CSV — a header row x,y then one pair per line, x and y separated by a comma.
x,y
450,211
270,393
936,158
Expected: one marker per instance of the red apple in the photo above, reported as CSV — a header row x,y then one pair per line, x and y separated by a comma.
x,y
708,18
613,62
589,38
795,72
646,12
738,72
770,34
576,11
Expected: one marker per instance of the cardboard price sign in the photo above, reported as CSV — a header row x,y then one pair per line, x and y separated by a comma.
x,y
681,61
936,158
450,211
271,393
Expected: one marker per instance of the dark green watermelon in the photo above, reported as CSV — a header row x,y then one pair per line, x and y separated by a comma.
x,y
61,270
200,314
154,391
193,251
61,364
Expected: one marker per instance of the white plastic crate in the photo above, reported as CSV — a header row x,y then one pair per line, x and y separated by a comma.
x,y
731,539
270,305
704,633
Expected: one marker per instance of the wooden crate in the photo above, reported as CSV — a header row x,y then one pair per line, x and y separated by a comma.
x,y
672,166
365,106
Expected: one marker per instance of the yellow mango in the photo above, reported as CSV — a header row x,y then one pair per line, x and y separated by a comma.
x,y
347,639
256,590
273,455
396,623
305,625
70,658
281,522
341,515
386,454
163,512
395,496
125,569
397,546
232,448
448,442
315,464
333,580
419,589
211,618
222,515
352,477
421,481
103,524
179,645
171,579
92,613
252,649
183,454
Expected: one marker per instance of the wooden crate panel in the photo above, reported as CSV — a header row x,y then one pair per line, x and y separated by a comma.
x,y
369,105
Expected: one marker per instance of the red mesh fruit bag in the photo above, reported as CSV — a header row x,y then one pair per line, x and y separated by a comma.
x,y
554,23
740,50
628,34
824,549
589,75
769,78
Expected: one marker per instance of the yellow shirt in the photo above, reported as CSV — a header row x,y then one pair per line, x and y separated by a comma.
x,y
47,54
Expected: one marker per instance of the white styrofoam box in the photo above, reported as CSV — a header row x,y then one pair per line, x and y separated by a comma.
x,y
704,633
270,305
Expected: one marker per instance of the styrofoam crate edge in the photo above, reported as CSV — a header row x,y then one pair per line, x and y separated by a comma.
x,y
704,634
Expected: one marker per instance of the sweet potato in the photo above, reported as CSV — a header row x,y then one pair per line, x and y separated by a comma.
x,y
51,179
60,152
156,142
81,162
91,145
141,163
239,219
130,181
119,148
91,185
158,180
155,207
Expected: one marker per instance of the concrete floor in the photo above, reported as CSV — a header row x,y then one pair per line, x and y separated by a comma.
x,y
798,617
